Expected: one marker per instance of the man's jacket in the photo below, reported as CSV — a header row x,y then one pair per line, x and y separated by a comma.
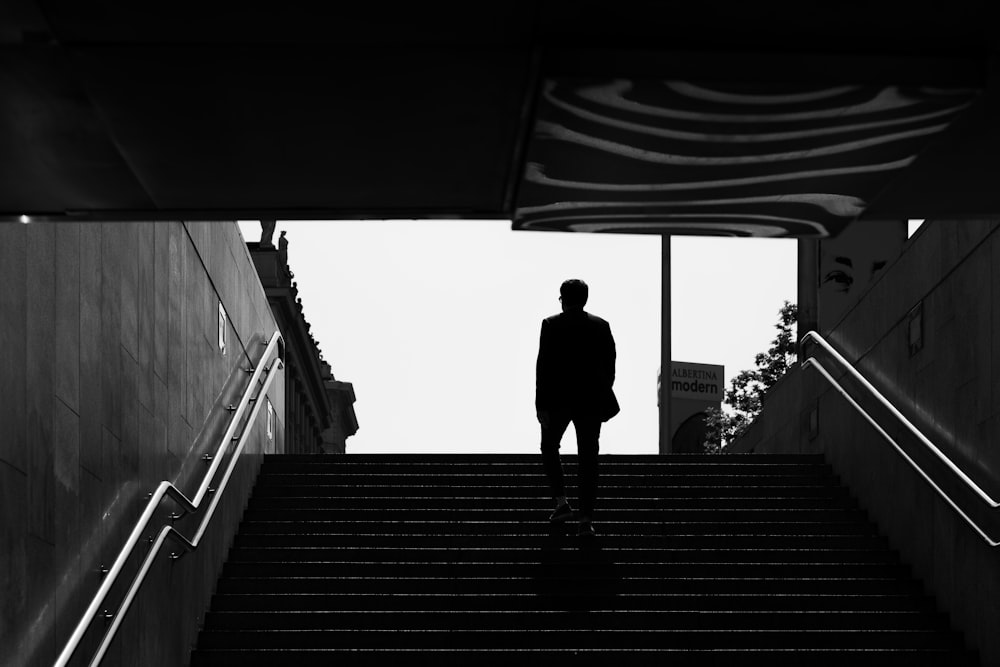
x,y
576,365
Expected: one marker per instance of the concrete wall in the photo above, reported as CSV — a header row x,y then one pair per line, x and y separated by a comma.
x,y
112,380
950,389
783,427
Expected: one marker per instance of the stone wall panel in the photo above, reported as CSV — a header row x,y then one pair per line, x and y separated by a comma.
x,y
13,339
13,561
67,315
161,294
39,358
129,284
146,310
115,383
91,399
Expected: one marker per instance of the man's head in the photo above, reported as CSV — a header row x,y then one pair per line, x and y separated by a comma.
x,y
573,294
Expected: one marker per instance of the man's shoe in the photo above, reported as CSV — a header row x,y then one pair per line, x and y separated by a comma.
x,y
586,529
562,513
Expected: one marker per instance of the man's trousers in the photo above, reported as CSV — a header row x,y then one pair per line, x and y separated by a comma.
x,y
588,431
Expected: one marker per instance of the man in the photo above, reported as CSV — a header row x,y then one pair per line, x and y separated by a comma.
x,y
573,383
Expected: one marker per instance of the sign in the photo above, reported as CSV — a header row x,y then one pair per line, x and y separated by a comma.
x,y
704,382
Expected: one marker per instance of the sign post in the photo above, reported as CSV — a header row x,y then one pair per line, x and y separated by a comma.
x,y
665,330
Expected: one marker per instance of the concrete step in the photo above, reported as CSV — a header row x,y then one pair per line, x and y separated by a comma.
x,y
569,458
619,619
544,506
625,639
693,509
609,529
608,464
548,543
718,656
558,573
611,493
311,557
491,484
569,601
704,580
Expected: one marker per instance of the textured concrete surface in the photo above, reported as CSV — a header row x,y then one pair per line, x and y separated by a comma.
x,y
113,381
950,389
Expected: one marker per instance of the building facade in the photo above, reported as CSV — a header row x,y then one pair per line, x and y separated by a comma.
x,y
315,409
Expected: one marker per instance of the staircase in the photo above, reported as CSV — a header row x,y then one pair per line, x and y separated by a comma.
x,y
699,560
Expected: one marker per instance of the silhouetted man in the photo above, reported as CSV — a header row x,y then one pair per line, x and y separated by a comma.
x,y
573,383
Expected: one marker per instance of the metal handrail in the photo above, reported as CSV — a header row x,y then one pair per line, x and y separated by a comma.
x,y
983,495
166,488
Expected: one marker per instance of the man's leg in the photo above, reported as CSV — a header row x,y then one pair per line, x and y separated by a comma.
x,y
551,437
588,432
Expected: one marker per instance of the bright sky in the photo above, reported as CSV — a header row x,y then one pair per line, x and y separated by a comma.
x,y
436,323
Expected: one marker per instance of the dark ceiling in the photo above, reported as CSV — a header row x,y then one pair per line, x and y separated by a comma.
x,y
211,111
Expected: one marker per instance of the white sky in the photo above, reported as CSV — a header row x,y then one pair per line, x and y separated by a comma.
x,y
436,323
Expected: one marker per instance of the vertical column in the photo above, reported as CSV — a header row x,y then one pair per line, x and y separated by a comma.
x,y
808,285
665,354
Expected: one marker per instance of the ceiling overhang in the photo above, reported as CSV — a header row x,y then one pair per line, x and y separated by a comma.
x,y
627,117
762,159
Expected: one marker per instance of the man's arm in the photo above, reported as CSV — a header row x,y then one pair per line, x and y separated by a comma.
x,y
608,355
543,377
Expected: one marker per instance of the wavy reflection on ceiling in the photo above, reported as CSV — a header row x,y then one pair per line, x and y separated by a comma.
x,y
701,229
535,173
749,137
554,131
779,226
612,95
838,205
701,93
771,158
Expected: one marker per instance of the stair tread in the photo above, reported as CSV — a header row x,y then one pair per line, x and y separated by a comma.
x,y
696,555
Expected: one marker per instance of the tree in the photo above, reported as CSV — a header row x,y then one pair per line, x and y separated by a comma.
x,y
747,388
